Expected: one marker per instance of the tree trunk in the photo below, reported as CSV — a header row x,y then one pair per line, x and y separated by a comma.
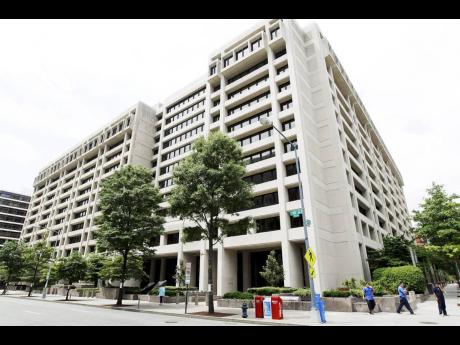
x,y
210,286
122,283
6,284
33,281
67,295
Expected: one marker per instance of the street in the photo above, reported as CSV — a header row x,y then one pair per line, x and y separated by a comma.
x,y
24,312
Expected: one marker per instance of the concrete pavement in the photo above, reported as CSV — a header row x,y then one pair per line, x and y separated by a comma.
x,y
426,313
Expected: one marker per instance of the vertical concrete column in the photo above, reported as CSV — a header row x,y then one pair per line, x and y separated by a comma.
x,y
162,269
152,271
180,253
291,264
203,283
227,274
246,271
193,260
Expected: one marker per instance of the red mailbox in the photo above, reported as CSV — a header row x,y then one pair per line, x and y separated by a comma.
x,y
277,308
259,306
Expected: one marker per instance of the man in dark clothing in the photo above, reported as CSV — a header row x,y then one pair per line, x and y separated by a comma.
x,y
403,302
439,293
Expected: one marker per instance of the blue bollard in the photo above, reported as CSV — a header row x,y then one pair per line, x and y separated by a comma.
x,y
320,306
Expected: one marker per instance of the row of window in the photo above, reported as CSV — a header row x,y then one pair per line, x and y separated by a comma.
x,y
247,71
13,203
259,156
284,87
8,218
10,226
183,136
184,124
288,124
10,234
256,137
14,196
249,103
184,112
113,167
177,152
166,183
185,100
12,211
250,120
248,87
262,177
169,168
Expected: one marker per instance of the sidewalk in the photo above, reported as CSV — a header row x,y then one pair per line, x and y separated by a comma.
x,y
426,313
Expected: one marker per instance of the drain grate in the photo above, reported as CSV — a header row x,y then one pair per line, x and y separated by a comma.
x,y
429,323
170,321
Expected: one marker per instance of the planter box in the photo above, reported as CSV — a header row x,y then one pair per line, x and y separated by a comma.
x,y
361,307
107,293
235,303
344,304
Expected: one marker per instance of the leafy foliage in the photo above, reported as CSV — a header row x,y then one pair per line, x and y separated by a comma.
x,y
71,269
112,268
208,185
36,260
130,204
336,293
12,260
179,277
273,271
395,252
389,278
238,295
95,262
270,290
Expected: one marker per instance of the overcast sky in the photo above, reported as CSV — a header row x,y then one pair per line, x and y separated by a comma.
x,y
61,80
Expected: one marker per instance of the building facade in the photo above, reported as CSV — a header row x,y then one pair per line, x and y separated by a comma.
x,y
352,188
13,210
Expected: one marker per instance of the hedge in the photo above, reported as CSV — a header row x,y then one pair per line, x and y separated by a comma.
x,y
305,292
270,290
171,291
336,293
389,278
238,295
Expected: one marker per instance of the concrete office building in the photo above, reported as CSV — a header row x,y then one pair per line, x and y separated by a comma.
x,y
352,187
13,210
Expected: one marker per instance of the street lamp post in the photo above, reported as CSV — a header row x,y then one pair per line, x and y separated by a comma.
x,y
266,121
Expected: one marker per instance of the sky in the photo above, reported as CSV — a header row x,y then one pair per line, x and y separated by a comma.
x,y
61,80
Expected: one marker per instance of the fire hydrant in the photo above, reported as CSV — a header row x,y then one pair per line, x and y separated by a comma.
x,y
244,309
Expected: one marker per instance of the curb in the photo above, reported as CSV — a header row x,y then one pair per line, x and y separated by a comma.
x,y
159,312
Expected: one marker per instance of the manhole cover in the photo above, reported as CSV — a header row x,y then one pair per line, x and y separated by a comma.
x,y
429,322
170,321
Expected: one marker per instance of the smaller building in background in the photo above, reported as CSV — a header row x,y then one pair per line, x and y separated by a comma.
x,y
13,211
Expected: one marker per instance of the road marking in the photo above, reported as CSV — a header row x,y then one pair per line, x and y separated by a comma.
x,y
32,312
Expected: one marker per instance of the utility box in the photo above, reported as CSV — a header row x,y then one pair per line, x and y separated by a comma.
x,y
267,308
259,306
277,308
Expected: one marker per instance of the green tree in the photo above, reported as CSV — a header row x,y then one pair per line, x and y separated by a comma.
x,y
95,263
37,257
209,184
71,269
395,252
438,225
11,261
129,203
273,271
112,268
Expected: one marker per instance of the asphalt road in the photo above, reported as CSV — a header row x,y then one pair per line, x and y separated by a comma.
x,y
18,311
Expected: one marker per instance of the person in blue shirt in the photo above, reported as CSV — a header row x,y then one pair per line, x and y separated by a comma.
x,y
161,293
403,302
368,292
438,291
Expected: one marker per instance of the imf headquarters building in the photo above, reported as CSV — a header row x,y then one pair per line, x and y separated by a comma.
x,y
353,190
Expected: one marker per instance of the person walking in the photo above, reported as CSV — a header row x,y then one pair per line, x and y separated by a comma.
x,y
403,302
161,293
439,293
368,292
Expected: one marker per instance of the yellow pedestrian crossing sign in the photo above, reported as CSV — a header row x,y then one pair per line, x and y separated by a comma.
x,y
310,257
312,272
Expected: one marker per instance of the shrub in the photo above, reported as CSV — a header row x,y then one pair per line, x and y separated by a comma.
x,y
238,295
356,292
270,290
304,292
389,278
336,293
171,291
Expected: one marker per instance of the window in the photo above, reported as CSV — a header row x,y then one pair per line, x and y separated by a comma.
x,y
284,86
268,224
265,200
246,72
286,105
183,136
280,53
296,222
80,214
172,238
249,103
77,226
166,183
293,194
288,147
281,69
274,33
212,70
248,87
262,177
249,121
256,44
215,118
168,168
186,100
184,112
74,239
256,137
176,152
259,156
288,125
83,202
184,124
241,53
228,61
291,169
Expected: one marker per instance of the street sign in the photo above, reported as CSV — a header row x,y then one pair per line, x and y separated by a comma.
x,y
188,272
296,213
310,257
312,272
